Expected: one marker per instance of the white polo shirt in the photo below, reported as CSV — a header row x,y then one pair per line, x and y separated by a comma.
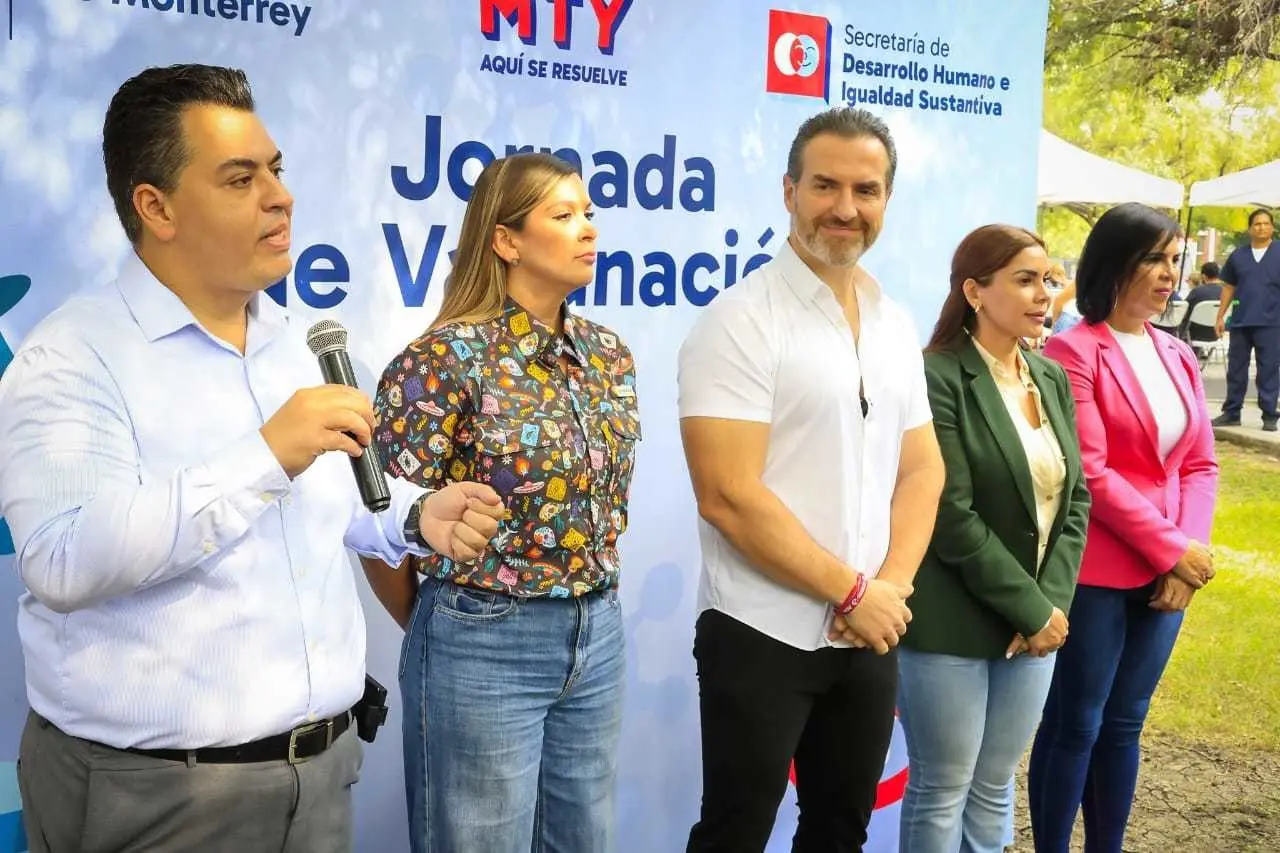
x,y
777,349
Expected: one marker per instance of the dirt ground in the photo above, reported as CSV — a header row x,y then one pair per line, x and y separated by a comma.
x,y
1192,798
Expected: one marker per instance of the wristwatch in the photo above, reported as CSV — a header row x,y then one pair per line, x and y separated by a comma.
x,y
413,523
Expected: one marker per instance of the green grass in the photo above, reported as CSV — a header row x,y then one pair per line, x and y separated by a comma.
x,y
1223,683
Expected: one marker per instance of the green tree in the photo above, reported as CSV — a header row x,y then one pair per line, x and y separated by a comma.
x,y
1190,136
1173,46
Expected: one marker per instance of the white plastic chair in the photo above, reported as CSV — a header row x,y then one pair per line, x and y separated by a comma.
x,y
1171,317
1202,334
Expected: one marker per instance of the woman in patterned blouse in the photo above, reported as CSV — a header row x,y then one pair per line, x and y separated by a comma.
x,y
512,666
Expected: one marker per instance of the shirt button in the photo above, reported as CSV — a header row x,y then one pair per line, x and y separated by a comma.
x,y
208,546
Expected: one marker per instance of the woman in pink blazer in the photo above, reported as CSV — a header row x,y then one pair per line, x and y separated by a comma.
x,y
1147,447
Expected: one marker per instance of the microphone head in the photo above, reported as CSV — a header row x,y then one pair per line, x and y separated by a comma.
x,y
326,336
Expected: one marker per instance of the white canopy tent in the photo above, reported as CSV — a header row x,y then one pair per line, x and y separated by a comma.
x,y
1068,174
1257,186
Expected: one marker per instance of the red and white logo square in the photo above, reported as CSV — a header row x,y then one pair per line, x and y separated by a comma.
x,y
799,54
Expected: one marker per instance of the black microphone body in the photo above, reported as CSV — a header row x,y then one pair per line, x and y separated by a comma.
x,y
335,366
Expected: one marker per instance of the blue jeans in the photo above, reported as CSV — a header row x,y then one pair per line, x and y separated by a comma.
x,y
512,711
1086,751
967,722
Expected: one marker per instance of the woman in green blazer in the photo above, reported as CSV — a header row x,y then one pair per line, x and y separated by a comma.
x,y
992,593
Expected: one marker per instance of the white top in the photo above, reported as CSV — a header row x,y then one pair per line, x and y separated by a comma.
x,y
1258,253
1044,453
182,592
1166,403
777,349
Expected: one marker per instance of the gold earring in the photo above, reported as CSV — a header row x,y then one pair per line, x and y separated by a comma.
x,y
515,262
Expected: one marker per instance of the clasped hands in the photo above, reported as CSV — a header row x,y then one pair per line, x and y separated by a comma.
x,y
1193,570
1045,641
879,620
1173,592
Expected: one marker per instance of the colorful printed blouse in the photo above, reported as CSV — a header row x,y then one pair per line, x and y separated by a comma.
x,y
489,402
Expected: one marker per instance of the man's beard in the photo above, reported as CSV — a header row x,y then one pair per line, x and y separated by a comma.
x,y
834,252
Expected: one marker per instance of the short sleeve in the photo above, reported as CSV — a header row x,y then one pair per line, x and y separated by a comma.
x,y
1228,272
918,411
726,365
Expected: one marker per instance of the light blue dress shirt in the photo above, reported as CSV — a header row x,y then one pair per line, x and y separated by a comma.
x,y
181,591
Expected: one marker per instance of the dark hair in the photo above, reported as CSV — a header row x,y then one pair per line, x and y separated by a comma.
x,y
848,123
980,255
1120,239
142,141
1210,270
1261,211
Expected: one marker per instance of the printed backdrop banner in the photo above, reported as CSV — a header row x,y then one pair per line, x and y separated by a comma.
x,y
680,115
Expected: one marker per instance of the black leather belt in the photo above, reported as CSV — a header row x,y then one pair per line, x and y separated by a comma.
x,y
305,741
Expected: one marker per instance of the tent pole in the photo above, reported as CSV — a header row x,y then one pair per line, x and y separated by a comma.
x,y
1186,230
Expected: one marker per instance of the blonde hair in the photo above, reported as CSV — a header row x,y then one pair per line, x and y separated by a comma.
x,y
506,191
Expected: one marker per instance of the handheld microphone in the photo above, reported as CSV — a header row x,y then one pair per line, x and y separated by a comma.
x,y
328,340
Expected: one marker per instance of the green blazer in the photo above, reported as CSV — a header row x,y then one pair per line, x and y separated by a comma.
x,y
978,583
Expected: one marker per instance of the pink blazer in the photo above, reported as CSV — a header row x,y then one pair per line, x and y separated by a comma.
x,y
1144,511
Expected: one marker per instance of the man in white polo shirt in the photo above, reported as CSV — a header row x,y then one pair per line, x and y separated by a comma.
x,y
817,482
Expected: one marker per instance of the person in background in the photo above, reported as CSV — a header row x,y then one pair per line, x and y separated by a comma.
x,y
1057,279
179,491
1147,447
513,664
994,588
1062,311
1056,282
807,430
1251,278
1209,289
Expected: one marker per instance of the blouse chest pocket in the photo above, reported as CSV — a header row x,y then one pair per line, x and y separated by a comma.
x,y
498,435
522,456
621,424
619,427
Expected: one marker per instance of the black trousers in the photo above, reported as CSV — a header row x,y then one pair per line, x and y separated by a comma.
x,y
763,703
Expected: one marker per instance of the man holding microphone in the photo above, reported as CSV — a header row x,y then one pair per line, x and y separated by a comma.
x,y
193,639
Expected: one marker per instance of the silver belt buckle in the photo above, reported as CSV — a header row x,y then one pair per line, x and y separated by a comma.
x,y
327,725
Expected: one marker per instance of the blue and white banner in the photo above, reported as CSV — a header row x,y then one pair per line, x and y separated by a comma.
x,y
680,115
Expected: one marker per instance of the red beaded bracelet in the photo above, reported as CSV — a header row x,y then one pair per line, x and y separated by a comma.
x,y
854,598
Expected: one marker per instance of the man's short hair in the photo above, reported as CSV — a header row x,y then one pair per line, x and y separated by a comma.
x,y
1261,211
142,140
1210,270
845,122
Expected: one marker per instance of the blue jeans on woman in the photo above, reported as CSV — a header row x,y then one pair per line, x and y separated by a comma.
x,y
512,711
967,722
1086,751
